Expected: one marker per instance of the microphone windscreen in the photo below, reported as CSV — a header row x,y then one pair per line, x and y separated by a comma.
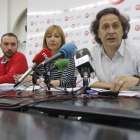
x,y
42,55
82,53
62,64
84,61
68,50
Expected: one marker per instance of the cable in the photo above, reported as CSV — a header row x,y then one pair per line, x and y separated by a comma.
x,y
35,102
24,89
14,96
14,106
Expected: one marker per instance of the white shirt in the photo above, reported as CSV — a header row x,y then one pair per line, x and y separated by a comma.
x,y
125,62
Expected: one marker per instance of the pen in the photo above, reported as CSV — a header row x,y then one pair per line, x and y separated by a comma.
x,y
15,74
92,92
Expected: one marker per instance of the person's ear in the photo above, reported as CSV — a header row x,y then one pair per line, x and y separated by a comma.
x,y
0,45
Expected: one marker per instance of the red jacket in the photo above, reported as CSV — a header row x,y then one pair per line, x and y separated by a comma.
x,y
17,64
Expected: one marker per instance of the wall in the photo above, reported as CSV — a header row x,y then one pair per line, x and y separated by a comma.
x,y
3,16
75,18
16,9
20,28
10,13
21,33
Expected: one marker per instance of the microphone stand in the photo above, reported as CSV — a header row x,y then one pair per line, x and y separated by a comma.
x,y
38,72
47,80
85,72
33,80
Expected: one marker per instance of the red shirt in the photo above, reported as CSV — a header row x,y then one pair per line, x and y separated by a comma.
x,y
17,64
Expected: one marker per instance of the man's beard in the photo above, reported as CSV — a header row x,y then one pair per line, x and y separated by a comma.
x,y
9,56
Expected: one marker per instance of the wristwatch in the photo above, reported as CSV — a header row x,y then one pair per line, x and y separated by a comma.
x,y
139,80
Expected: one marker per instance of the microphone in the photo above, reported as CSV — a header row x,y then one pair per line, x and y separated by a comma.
x,y
60,65
83,52
83,64
39,57
67,51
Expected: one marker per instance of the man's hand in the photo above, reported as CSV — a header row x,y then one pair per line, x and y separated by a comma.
x,y
16,77
28,78
121,83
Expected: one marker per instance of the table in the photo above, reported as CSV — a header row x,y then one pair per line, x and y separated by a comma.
x,y
110,108
120,109
21,126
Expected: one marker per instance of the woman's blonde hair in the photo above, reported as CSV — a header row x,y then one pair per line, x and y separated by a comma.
x,y
49,30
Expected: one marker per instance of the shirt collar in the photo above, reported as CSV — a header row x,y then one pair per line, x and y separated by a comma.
x,y
102,49
120,50
4,62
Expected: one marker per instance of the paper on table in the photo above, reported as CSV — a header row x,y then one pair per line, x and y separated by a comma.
x,y
6,86
129,93
99,89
